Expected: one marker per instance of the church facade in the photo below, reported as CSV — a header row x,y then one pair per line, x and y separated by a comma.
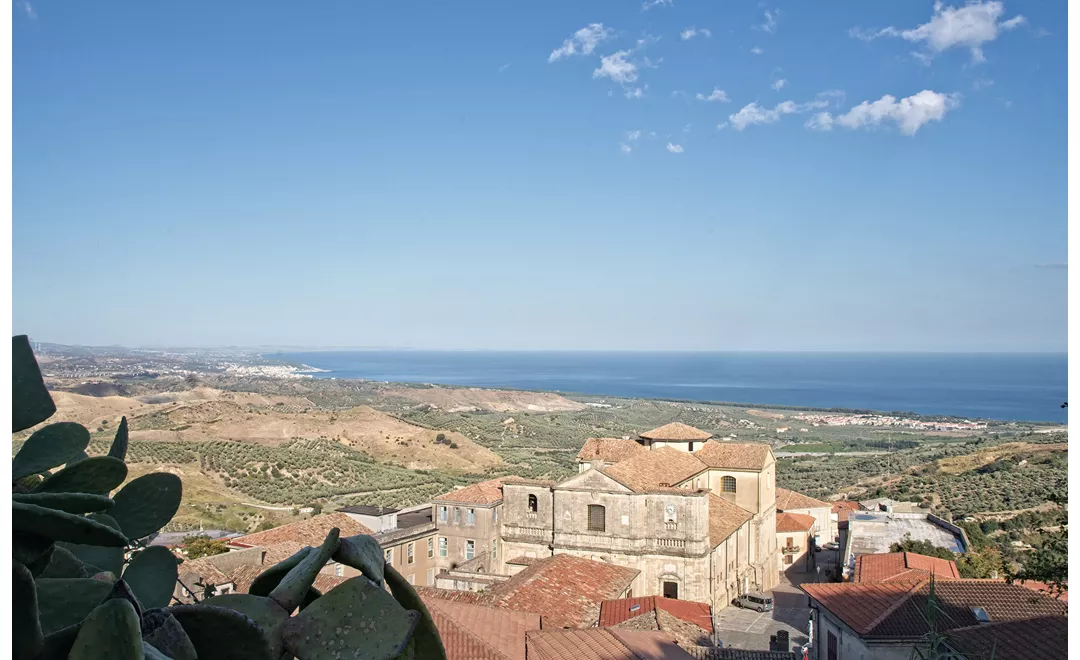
x,y
696,518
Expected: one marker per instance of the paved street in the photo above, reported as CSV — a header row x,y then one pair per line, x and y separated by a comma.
x,y
747,629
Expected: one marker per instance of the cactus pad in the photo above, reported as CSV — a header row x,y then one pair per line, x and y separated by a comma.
x,y
216,632
271,577
263,610
292,589
30,400
162,631
426,638
120,442
356,619
27,638
111,632
97,475
48,447
363,553
62,526
152,576
63,564
147,504
63,602
98,558
69,502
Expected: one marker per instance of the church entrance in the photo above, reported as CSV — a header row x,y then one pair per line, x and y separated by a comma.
x,y
671,590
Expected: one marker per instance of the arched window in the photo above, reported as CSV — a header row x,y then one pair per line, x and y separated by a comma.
x,y
727,484
596,518
532,503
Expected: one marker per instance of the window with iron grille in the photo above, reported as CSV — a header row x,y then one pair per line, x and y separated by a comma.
x,y
596,518
532,503
727,484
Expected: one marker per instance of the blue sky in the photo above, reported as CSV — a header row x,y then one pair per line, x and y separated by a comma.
x,y
542,175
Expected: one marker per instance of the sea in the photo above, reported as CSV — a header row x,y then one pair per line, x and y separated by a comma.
x,y
1020,387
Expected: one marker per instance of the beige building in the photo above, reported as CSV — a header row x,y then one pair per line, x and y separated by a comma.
x,y
794,535
790,501
468,521
695,518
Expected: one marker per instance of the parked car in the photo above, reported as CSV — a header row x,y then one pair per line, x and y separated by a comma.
x,y
754,601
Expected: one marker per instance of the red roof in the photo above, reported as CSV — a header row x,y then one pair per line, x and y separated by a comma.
x,y
844,508
1026,639
613,612
566,590
311,532
604,644
902,566
472,632
787,500
895,610
484,492
609,450
786,523
1044,588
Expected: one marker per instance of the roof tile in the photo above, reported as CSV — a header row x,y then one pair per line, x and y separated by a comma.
x,y
613,612
471,628
609,450
786,500
725,518
659,468
484,492
603,644
312,531
787,523
734,456
1025,639
676,431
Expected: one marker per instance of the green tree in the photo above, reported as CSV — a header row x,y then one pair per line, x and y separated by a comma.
x,y
923,548
198,546
1049,562
984,562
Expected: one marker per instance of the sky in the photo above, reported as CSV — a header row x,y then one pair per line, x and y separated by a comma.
x,y
672,175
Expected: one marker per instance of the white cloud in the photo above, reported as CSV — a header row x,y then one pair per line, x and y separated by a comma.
x,y
625,148
756,114
716,95
982,83
691,32
635,93
779,84
769,26
617,67
27,8
649,4
582,42
756,50
909,114
633,135
969,26
721,126
504,67
674,148
649,64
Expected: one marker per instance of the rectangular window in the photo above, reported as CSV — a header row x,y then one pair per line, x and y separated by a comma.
x,y
442,514
412,579
457,515
339,570
430,548
787,559
470,549
470,516
831,647
431,577
412,553
596,518
442,546
495,515
390,556
494,548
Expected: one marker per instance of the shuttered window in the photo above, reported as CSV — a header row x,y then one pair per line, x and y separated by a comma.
x,y
596,518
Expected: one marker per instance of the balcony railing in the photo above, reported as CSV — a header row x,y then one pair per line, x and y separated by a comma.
x,y
790,549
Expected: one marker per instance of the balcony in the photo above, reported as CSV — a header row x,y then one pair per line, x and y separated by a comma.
x,y
790,549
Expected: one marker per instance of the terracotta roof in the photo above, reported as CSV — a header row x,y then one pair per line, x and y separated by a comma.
x,y
1044,588
734,456
787,523
243,576
325,582
485,492
613,612
894,610
480,631
205,569
901,566
725,518
1026,639
604,644
311,532
279,552
567,590
609,450
454,595
844,508
787,500
521,560
664,467
676,431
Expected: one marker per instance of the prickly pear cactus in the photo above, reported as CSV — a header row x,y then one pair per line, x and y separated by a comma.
x,y
87,587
